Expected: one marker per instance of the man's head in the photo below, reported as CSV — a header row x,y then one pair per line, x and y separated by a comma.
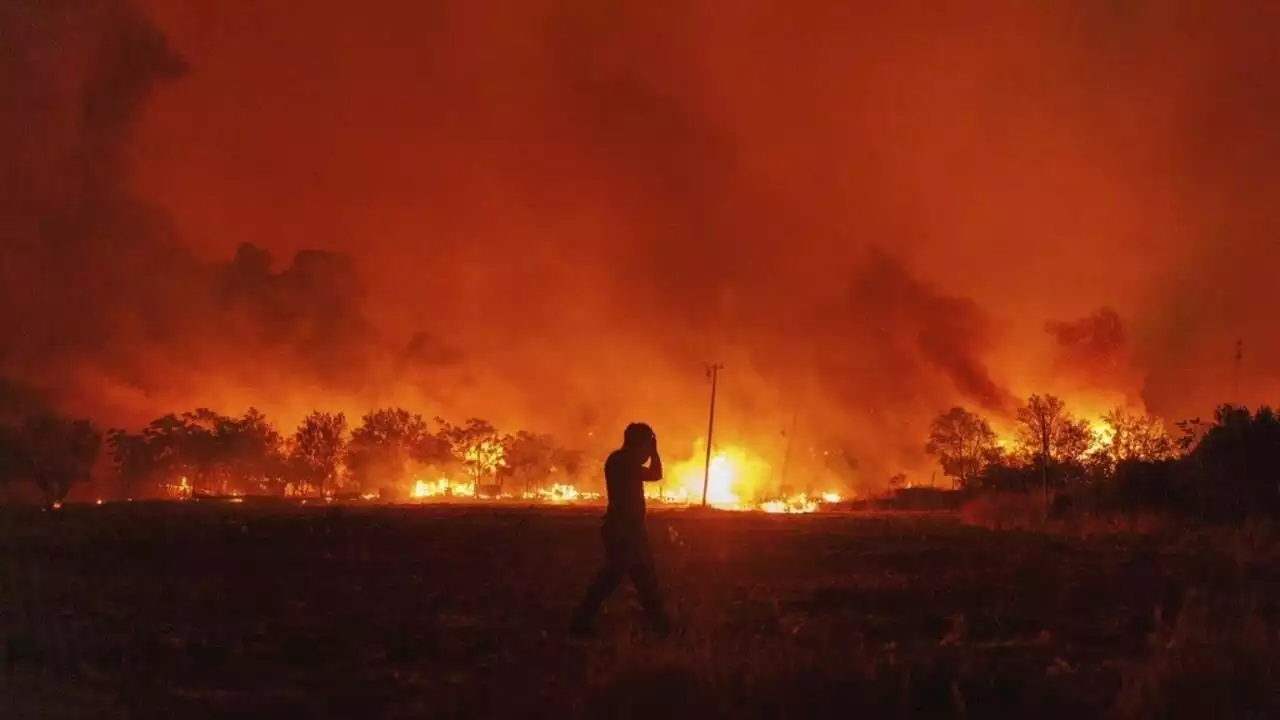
x,y
639,438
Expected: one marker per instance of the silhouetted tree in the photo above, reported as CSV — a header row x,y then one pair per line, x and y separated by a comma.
x,y
317,449
529,458
1236,465
1009,475
432,449
167,439
1190,432
382,446
56,453
1131,438
1138,485
214,451
963,443
251,449
136,462
567,461
478,446
1051,436
202,446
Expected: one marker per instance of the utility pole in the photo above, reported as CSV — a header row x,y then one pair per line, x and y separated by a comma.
x,y
786,454
713,372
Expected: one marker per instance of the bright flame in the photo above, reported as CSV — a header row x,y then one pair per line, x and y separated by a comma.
x,y
1101,435
441,488
484,458
720,477
558,493
797,504
737,480
676,496
181,491
733,479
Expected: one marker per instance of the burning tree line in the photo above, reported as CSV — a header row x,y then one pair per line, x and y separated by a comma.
x,y
1225,469
1229,467
206,452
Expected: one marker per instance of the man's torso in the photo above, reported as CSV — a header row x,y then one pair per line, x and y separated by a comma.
x,y
625,489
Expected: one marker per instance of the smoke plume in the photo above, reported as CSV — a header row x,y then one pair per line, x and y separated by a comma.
x,y
554,213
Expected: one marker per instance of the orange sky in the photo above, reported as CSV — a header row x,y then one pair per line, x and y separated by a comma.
x,y
865,210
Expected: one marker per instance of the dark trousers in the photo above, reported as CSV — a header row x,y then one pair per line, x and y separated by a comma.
x,y
626,554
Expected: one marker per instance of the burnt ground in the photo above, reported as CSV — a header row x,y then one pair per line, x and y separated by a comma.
x,y
193,611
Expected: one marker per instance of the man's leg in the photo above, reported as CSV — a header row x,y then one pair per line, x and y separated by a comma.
x,y
645,579
606,581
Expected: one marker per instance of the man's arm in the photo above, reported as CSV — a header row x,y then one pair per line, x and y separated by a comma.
x,y
653,473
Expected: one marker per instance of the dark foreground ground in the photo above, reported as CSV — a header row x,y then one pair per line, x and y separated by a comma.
x,y
190,611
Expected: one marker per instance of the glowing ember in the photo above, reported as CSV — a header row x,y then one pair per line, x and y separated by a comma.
x,y
99,501
181,490
830,498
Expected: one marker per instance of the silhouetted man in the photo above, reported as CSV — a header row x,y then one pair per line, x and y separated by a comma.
x,y
626,546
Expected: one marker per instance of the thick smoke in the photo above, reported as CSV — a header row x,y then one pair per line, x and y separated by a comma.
x,y
105,310
85,263
1093,349
554,213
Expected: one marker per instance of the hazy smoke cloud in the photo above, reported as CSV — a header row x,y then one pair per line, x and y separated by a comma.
x,y
86,264
551,214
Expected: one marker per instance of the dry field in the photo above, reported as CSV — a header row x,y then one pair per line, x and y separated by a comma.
x,y
197,610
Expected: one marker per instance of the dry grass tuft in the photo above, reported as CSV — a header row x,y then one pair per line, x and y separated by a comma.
x,y
1005,511
1026,512
1213,660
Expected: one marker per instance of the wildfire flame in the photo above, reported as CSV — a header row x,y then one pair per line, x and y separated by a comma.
x,y
441,488
558,494
1101,435
736,480
798,504
484,458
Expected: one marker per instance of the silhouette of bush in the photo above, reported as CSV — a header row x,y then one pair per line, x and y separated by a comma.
x,y
1234,470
